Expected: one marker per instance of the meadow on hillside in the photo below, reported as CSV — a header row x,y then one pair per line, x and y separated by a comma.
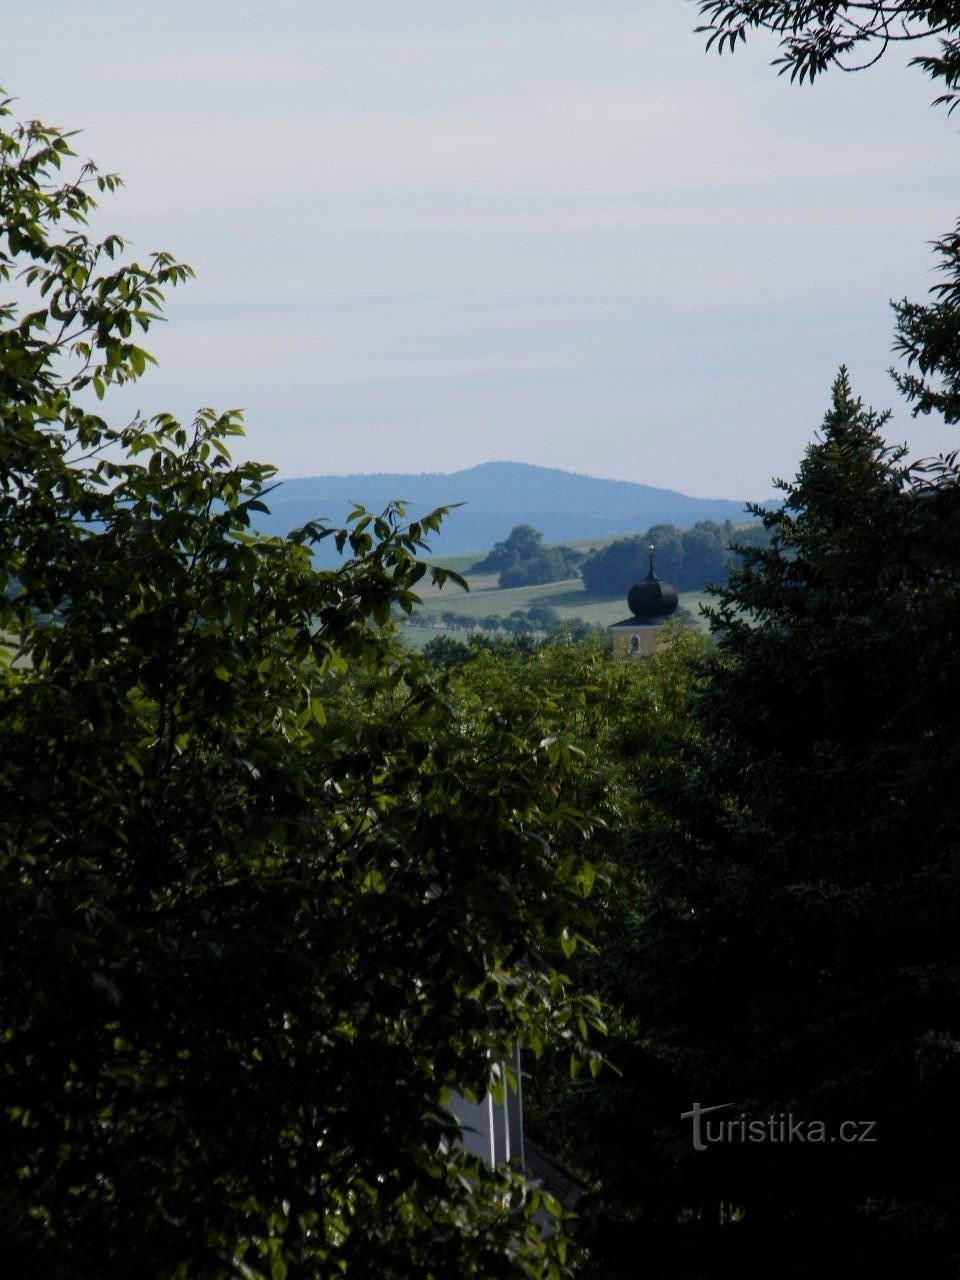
x,y
486,598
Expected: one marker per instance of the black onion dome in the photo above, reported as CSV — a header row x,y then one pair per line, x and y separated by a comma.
x,y
652,598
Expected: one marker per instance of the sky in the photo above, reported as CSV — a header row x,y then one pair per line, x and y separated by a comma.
x,y
432,234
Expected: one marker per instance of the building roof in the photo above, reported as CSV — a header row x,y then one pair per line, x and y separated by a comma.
x,y
634,622
652,598
553,1177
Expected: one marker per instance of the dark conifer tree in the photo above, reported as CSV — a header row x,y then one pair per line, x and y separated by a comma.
x,y
794,947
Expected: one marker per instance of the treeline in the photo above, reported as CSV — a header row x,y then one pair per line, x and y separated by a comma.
x,y
445,651
540,618
688,558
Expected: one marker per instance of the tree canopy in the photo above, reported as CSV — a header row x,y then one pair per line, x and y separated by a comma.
x,y
688,558
852,35
523,561
790,947
523,543
266,894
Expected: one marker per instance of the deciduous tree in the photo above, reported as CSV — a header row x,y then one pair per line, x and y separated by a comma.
x,y
249,941
852,36
848,34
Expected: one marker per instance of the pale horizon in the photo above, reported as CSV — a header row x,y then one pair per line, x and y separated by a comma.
x,y
428,236
283,477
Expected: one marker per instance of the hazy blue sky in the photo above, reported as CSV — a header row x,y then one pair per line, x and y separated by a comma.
x,y
429,233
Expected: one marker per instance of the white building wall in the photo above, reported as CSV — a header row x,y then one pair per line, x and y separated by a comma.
x,y
493,1131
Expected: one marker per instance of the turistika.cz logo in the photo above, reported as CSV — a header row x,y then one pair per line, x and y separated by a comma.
x,y
784,1128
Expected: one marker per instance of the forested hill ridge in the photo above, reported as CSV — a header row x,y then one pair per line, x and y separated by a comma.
x,y
496,497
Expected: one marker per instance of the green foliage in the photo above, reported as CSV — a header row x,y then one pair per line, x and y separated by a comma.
x,y
541,619
817,34
619,716
523,561
550,564
616,567
929,338
444,651
626,719
523,543
544,614
688,558
792,949
267,894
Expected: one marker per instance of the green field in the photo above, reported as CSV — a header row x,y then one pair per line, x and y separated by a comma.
x,y
485,597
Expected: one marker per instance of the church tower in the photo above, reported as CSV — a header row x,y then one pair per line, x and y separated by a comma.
x,y
651,602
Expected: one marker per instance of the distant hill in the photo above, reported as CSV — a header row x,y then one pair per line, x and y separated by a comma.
x,y
497,496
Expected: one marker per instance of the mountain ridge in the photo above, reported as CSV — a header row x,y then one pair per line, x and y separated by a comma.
x,y
496,496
